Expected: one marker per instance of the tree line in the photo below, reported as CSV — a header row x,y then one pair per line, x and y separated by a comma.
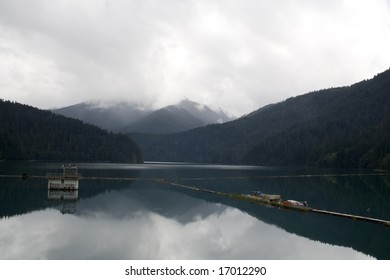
x,y
29,133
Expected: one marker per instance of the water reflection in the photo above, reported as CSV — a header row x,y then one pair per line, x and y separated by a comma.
x,y
107,230
126,219
67,199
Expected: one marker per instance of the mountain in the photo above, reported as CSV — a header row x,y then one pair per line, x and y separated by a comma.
x,y
338,127
108,116
204,113
169,119
177,118
130,118
28,133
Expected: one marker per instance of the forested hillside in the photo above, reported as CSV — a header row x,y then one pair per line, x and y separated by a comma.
x,y
30,133
338,127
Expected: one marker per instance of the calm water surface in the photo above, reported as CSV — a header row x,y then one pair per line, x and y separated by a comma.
x,y
141,219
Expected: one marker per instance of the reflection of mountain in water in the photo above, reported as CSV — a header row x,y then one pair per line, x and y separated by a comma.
x,y
368,196
348,195
23,196
185,206
19,197
150,197
364,237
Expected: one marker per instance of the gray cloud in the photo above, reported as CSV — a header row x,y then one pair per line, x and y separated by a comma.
x,y
238,55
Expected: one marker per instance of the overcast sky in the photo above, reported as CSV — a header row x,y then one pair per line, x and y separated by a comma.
x,y
235,54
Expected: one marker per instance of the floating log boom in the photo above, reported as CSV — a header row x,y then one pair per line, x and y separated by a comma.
x,y
353,217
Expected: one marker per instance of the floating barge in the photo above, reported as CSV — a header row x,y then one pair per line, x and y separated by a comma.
x,y
67,180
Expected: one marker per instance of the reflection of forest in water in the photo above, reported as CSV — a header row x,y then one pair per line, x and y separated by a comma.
x,y
361,195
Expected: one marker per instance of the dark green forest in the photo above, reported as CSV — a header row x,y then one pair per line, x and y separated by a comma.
x,y
345,127
27,133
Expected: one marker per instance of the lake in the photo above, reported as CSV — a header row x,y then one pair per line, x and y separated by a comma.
x,y
144,219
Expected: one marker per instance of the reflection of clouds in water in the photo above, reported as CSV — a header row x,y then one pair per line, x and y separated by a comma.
x,y
231,234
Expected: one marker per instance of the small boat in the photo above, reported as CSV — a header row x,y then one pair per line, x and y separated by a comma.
x,y
296,205
293,203
67,180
